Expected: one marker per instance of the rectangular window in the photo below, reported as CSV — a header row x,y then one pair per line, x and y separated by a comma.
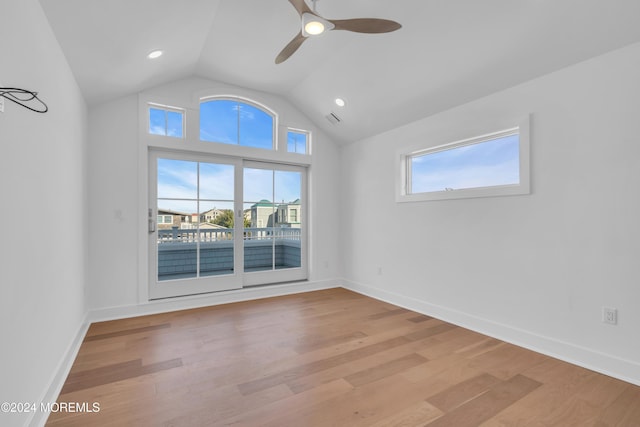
x,y
165,219
166,121
297,141
495,164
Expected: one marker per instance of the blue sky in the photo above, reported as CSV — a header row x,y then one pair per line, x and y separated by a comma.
x,y
490,163
165,122
297,142
219,123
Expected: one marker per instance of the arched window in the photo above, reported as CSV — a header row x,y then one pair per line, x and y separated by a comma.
x,y
235,121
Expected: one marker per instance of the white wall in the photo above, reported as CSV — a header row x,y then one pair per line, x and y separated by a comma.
x,y
43,215
113,203
118,209
533,269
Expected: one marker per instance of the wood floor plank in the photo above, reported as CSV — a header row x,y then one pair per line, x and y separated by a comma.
x,y
487,404
313,367
132,331
385,369
387,313
507,360
371,361
419,319
449,371
624,411
418,414
589,400
527,411
360,406
453,340
112,373
326,358
459,394
298,403
431,331
306,345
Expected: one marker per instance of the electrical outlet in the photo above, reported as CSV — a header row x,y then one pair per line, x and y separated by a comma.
x,y
610,315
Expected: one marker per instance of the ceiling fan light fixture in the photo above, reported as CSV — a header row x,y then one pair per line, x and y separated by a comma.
x,y
340,102
314,28
313,25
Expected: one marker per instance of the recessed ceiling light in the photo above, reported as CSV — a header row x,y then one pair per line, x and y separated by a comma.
x,y
340,102
154,54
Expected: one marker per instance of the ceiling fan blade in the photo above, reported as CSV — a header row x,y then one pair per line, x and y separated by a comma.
x,y
366,25
290,48
301,6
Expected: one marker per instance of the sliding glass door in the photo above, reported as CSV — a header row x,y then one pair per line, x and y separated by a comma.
x,y
222,223
273,241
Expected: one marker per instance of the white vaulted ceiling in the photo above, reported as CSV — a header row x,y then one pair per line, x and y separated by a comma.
x,y
448,51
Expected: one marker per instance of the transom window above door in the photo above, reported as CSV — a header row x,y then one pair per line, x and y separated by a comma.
x,y
238,122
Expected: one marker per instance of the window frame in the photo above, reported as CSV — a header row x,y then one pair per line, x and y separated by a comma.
x,y
403,172
247,101
166,109
300,273
164,219
307,142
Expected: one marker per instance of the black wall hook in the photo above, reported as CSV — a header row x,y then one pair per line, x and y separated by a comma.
x,y
22,97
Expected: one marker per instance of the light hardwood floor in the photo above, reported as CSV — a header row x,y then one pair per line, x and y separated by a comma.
x,y
326,358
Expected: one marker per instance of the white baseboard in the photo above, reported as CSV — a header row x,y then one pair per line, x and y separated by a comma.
x,y
39,418
204,300
625,370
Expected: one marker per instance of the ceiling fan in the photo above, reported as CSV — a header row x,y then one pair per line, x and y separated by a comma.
x,y
314,24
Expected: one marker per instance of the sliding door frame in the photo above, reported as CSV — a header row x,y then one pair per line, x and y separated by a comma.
x,y
159,289
289,274
197,285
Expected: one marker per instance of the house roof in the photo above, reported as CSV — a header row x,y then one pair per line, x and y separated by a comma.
x,y
295,202
170,212
263,202
446,53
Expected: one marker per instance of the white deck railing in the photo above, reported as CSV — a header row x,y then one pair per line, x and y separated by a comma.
x,y
177,235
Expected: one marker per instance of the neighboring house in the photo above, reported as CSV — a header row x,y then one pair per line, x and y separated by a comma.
x,y
168,219
210,215
266,214
288,215
262,214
